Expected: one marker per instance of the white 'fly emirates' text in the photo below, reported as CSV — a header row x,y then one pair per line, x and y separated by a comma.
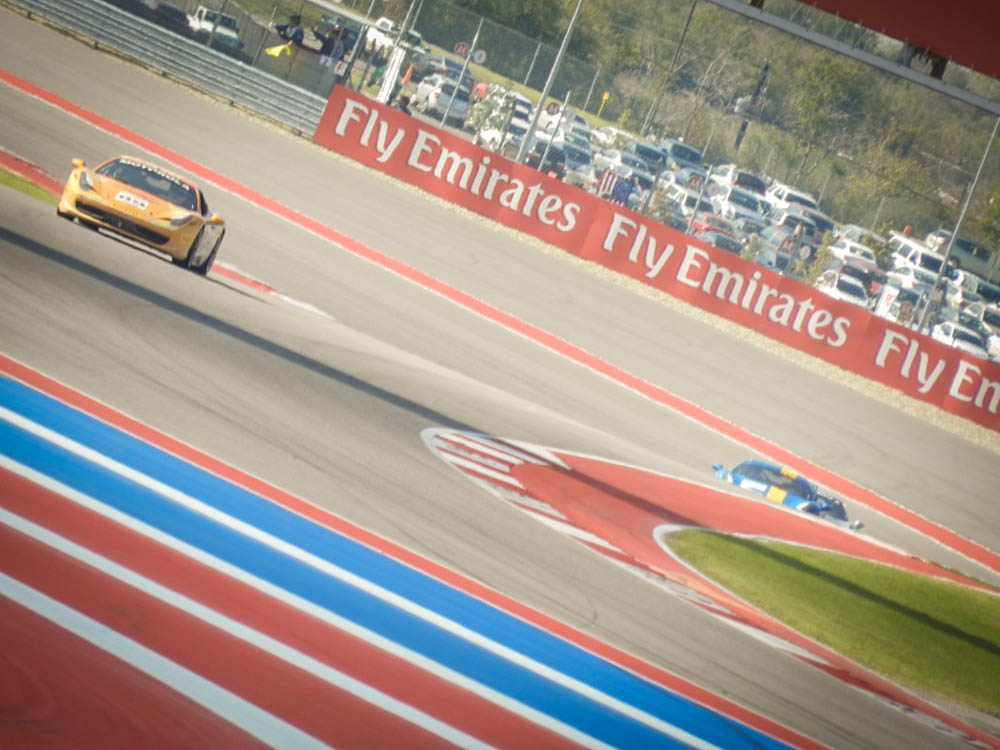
x,y
479,178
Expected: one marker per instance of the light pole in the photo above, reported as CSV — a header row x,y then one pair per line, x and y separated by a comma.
x,y
465,67
548,84
958,228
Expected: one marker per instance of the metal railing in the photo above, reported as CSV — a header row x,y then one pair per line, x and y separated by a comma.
x,y
207,69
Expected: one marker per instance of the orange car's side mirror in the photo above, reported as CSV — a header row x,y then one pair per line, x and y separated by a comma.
x,y
216,220
78,163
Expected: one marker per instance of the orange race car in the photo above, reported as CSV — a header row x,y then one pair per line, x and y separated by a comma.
x,y
145,203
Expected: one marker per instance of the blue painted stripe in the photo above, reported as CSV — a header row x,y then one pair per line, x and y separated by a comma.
x,y
314,586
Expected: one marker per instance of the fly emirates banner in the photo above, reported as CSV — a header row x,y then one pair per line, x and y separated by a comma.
x,y
787,310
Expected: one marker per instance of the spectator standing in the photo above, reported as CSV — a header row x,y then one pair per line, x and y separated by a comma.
x,y
292,31
332,46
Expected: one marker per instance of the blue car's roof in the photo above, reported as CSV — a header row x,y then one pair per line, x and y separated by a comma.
x,y
772,474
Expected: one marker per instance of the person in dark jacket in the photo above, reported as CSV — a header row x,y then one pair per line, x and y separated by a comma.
x,y
292,31
332,47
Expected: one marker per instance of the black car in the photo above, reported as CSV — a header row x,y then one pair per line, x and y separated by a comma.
x,y
330,25
555,160
871,278
721,241
171,18
428,65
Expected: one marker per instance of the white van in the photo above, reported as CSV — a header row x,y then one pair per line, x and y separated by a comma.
x,y
969,255
907,251
782,196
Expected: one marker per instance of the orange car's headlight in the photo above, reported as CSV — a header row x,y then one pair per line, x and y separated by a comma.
x,y
84,179
179,221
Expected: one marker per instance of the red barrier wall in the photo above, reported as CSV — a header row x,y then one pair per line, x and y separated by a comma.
x,y
786,310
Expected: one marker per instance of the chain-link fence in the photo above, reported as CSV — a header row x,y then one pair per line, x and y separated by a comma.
x,y
510,54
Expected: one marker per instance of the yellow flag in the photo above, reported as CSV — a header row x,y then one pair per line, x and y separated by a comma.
x,y
278,49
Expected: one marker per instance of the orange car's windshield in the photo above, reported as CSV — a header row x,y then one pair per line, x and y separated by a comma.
x,y
152,180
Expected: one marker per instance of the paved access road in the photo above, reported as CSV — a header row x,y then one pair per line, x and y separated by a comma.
x,y
332,409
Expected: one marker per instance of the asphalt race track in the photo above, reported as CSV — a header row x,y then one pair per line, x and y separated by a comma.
x,y
331,407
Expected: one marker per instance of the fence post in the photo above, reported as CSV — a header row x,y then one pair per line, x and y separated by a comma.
x,y
591,92
263,38
531,67
465,66
218,17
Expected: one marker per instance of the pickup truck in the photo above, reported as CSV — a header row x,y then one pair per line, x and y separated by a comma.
x,y
220,28
382,35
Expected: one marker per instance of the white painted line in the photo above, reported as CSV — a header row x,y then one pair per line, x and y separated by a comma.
x,y
267,728
521,452
461,439
479,469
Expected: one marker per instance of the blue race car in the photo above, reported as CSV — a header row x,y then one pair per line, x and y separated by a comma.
x,y
779,484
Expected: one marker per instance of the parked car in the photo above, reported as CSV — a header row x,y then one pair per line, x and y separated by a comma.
x,y
823,222
721,241
679,154
735,203
655,159
554,159
571,134
987,313
383,34
911,277
687,200
440,65
844,288
859,234
791,219
781,196
744,226
907,251
613,158
846,250
729,175
711,223
870,275
436,93
780,484
579,168
219,29
495,140
669,213
170,17
692,177
607,136
961,337
968,255
988,318
548,121
348,29
904,306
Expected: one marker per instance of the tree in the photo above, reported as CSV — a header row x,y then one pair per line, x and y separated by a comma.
x,y
989,221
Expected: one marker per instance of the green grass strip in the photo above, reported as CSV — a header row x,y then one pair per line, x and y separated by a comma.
x,y
933,636
11,180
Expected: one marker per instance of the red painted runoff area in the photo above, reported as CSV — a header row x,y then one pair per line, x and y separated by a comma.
x,y
627,514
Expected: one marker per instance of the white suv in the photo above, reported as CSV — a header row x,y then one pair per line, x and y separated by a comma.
x,y
436,92
781,196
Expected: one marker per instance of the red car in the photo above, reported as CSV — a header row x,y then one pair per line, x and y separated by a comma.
x,y
712,223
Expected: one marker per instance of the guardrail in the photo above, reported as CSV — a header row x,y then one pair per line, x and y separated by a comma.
x,y
186,59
